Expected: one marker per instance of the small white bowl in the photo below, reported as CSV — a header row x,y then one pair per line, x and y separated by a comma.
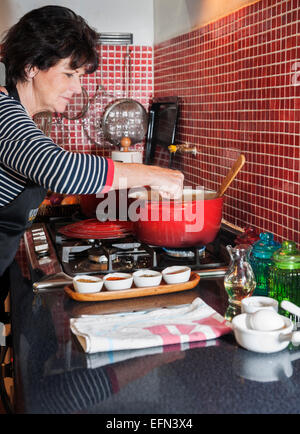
x,y
263,341
176,274
254,303
87,284
118,281
144,278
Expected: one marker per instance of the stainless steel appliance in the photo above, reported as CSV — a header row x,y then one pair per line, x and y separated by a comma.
x,y
54,259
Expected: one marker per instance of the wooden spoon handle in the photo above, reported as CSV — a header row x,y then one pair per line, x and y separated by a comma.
x,y
231,175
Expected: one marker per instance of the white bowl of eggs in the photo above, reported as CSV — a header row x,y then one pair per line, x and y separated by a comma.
x,y
264,331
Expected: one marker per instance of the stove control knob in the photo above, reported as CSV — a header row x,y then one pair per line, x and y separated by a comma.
x,y
41,246
43,254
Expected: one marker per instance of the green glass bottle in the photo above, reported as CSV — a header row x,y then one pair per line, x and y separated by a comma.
x,y
284,280
261,261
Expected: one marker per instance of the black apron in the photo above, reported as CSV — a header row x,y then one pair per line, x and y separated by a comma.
x,y
15,218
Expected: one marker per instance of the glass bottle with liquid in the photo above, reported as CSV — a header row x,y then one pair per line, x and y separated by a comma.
x,y
261,261
239,280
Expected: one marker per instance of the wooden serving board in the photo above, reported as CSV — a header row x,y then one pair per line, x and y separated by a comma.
x,y
133,292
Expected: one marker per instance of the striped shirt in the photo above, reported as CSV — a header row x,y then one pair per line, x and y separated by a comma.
x,y
26,153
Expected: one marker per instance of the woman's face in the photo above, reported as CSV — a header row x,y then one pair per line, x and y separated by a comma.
x,y
53,89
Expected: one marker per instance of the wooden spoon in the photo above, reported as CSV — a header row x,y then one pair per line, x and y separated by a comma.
x,y
231,175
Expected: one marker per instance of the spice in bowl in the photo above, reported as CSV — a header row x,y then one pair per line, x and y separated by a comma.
x,y
176,274
118,281
87,284
145,278
115,278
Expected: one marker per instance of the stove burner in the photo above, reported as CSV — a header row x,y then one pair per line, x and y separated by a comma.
x,y
94,256
184,253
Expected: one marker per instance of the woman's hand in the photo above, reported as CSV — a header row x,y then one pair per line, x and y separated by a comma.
x,y
168,183
3,89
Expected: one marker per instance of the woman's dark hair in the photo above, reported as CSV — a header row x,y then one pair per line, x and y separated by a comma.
x,y
43,37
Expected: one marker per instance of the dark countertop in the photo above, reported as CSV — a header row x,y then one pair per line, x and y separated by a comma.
x,y
53,375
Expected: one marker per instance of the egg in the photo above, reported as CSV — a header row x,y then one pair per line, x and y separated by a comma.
x,y
266,320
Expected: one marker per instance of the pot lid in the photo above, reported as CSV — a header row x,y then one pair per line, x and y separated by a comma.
x,y
266,246
288,257
94,229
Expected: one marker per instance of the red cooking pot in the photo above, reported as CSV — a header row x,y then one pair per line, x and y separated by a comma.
x,y
194,221
90,202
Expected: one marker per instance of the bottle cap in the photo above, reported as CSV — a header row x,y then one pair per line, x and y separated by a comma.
x,y
248,237
266,246
288,257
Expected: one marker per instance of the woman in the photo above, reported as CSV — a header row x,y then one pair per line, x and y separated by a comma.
x,y
45,54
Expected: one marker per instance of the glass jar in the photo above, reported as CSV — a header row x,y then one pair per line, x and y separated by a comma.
x,y
284,280
261,261
239,280
249,236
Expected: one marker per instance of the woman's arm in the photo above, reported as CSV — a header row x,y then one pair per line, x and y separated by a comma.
x,y
169,183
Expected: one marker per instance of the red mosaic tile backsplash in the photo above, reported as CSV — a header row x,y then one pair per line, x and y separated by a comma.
x,y
239,83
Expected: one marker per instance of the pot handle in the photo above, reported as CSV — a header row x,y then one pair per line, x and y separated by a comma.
x,y
294,337
52,281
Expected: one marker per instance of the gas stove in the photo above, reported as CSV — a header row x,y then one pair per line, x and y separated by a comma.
x,y
51,253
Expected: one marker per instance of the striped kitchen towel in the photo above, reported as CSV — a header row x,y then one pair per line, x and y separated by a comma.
x,y
157,327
